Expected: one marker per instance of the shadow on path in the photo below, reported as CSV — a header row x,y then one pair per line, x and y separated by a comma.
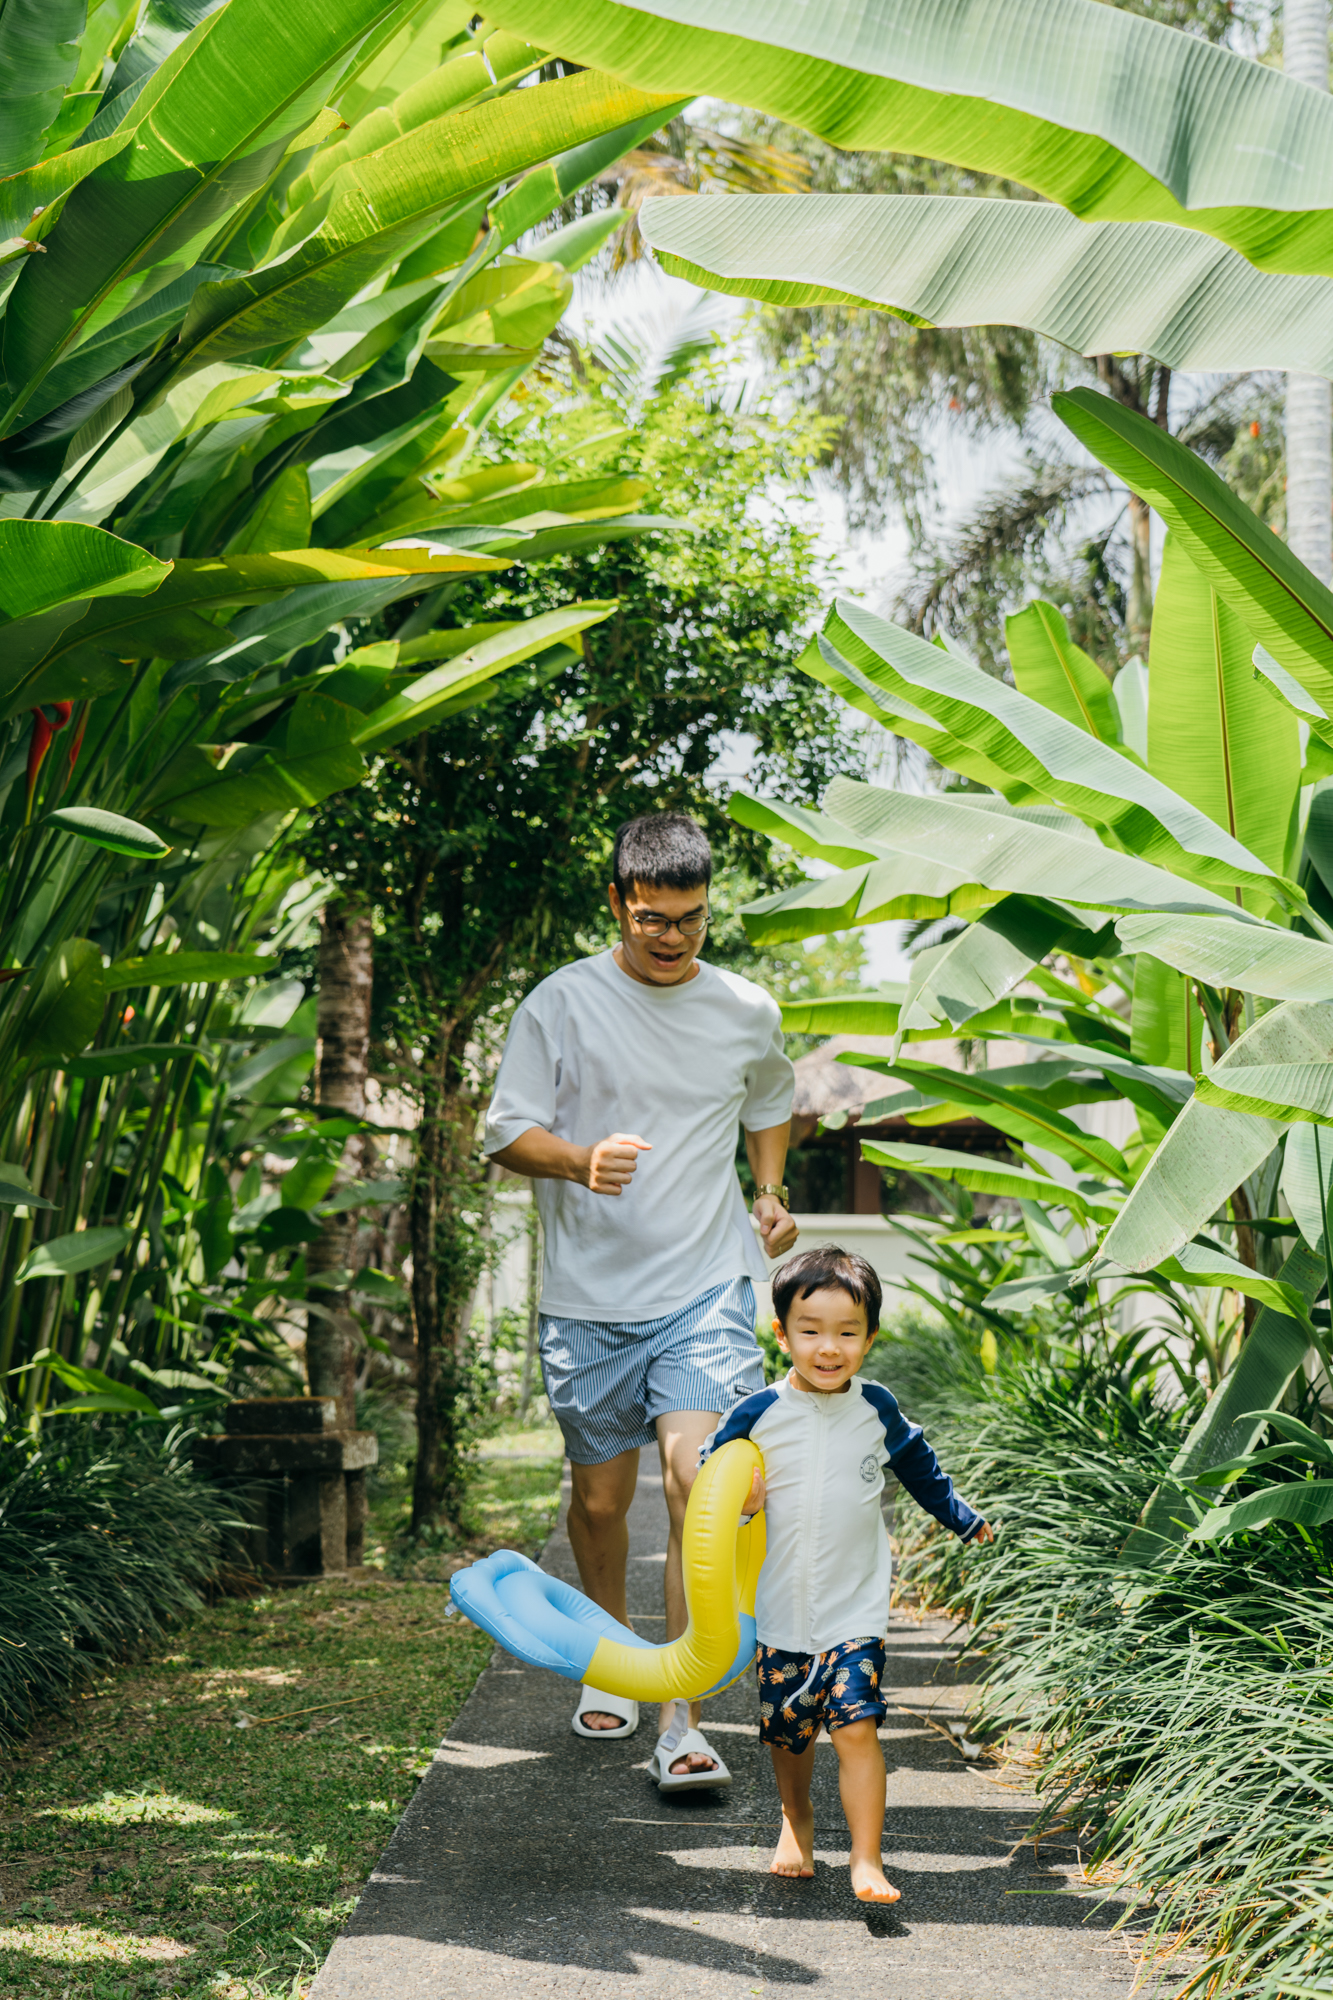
x,y
531,1861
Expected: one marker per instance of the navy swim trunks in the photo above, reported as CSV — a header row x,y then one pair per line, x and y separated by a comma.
x,y
799,1691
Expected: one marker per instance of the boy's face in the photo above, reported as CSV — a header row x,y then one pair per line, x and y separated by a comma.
x,y
827,1338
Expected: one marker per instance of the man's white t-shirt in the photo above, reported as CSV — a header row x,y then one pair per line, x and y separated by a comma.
x,y
592,1051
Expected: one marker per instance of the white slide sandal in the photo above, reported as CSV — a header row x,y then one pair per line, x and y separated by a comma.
x,y
592,1701
679,1740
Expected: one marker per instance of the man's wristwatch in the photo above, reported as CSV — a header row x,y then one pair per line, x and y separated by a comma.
x,y
773,1188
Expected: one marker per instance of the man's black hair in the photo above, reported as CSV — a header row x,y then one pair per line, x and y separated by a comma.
x,y
661,850
828,1269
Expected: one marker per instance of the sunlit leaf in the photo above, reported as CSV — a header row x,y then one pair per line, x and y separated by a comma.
x,y
64,1256
1108,114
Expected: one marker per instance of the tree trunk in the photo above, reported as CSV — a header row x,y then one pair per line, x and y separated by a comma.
x,y
1309,425
444,1267
342,1059
1138,613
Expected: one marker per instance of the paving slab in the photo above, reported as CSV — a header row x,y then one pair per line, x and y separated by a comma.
x,y
533,1862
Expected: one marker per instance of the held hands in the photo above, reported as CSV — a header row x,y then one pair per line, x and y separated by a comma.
x,y
776,1229
611,1162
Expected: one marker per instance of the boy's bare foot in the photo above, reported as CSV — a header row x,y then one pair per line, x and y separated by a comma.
x,y
795,1851
870,1884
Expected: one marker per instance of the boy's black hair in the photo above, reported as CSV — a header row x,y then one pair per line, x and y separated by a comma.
x,y
662,850
826,1269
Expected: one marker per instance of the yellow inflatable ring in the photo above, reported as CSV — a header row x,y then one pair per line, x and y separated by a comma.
x,y
547,1623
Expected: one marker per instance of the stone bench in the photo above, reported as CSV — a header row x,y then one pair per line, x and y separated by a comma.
x,y
308,1462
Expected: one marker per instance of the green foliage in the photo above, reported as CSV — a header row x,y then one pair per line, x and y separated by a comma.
x,y
151,1811
482,846
928,1360
492,834
1212,1081
106,1537
240,408
1184,1715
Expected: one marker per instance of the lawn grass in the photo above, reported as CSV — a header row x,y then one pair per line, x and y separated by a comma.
x,y
152,1841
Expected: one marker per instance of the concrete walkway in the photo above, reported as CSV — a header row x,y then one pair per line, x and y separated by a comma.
x,y
531,1862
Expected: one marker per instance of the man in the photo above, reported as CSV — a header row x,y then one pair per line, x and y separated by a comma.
x,y
624,1079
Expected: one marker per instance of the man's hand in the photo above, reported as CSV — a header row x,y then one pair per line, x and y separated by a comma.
x,y
776,1229
611,1162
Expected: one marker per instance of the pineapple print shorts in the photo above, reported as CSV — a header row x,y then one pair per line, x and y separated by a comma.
x,y
799,1691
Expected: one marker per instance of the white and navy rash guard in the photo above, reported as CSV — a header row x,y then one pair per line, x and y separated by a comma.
x,y
828,1571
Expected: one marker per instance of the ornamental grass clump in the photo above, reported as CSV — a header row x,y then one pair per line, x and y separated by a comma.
x,y
106,1535
1182,1716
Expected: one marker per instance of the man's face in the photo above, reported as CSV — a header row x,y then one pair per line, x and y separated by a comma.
x,y
663,960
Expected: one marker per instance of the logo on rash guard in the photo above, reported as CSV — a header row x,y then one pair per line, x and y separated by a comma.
x,y
869,1467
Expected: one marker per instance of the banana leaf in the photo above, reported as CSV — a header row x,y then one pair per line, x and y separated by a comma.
x,y
1300,1092
1271,591
381,204
961,261
48,566
1112,116
1307,1502
1305,1188
1022,1114
39,55
1235,951
986,1176
427,699
204,132
1210,1150
1049,668
1047,756
1213,733
1013,853
951,982
52,657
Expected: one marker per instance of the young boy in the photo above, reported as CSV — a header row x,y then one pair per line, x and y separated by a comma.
x,y
823,1602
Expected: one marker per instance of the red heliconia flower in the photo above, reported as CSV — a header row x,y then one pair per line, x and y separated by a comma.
x,y
42,732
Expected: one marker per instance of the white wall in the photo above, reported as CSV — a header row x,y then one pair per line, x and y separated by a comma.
x,y
888,1245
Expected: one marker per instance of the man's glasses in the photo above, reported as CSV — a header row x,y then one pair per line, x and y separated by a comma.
x,y
653,925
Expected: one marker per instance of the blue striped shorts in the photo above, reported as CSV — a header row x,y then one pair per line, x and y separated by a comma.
x,y
608,1382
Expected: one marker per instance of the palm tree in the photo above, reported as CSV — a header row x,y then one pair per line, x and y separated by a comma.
x,y
1309,432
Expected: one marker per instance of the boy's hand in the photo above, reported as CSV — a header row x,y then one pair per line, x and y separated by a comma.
x,y
985,1533
758,1492
611,1162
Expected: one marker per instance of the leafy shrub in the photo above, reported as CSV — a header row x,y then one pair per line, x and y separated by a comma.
x,y
1184,1711
932,1365
391,1417
105,1535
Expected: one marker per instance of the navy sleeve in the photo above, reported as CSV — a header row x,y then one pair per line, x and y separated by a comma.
x,y
739,1423
915,1464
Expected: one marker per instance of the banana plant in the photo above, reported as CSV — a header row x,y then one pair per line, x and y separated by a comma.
x,y
259,298
1149,923
170,1261
1187,201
